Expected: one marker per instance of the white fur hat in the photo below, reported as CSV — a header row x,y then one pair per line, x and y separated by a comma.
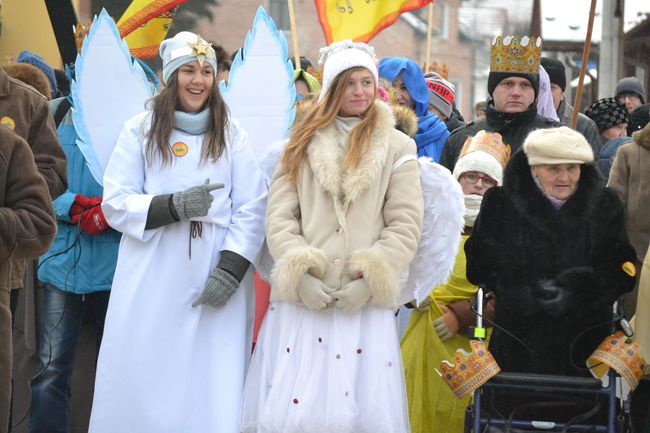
x,y
341,56
185,47
560,145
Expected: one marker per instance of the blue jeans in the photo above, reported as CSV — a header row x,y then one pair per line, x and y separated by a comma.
x,y
62,317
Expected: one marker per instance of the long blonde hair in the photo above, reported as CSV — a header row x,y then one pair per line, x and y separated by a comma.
x,y
321,115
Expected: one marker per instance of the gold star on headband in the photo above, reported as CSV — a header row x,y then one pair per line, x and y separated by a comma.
x,y
199,49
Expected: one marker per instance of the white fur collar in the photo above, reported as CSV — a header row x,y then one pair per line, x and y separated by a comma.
x,y
326,158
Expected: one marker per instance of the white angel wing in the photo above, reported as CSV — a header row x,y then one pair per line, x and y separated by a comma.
x,y
108,88
260,92
441,230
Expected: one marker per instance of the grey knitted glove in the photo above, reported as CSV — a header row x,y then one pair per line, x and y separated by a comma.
x,y
313,292
353,295
218,289
194,202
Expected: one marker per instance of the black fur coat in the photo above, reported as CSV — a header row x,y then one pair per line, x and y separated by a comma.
x,y
521,242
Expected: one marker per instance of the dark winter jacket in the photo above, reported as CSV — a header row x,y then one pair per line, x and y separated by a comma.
x,y
25,111
585,126
520,243
513,128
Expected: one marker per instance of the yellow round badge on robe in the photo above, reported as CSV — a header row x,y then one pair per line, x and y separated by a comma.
x,y
8,122
629,268
180,149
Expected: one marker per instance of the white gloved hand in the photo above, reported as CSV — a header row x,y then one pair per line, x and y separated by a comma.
x,y
313,293
353,295
447,325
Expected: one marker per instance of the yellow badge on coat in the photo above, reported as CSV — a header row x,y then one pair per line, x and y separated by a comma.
x,y
629,268
8,122
180,149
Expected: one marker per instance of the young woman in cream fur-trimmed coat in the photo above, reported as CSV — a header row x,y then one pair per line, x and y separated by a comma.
x,y
343,221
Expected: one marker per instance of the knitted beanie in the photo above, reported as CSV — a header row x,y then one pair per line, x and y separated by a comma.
x,y
639,118
441,93
185,47
494,78
607,113
555,70
484,152
343,55
560,145
33,59
631,85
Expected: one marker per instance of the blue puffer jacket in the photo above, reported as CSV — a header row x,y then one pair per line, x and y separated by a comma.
x,y
88,266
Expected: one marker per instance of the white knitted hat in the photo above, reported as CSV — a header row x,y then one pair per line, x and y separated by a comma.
x,y
185,47
341,56
560,145
479,161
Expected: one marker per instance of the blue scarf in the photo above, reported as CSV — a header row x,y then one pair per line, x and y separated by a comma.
x,y
392,67
192,123
431,136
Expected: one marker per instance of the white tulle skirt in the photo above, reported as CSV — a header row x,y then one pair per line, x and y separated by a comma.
x,y
326,372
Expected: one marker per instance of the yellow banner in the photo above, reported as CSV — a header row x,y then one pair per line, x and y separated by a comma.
x,y
145,24
361,20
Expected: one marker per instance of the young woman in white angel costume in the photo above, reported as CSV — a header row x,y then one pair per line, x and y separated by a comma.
x,y
184,188
343,222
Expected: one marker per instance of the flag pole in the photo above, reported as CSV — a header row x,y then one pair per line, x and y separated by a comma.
x,y
583,67
427,61
294,35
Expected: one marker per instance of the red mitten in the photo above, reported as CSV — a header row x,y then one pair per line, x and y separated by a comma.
x,y
92,221
80,204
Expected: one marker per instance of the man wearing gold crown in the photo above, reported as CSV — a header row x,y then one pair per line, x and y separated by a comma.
x,y
513,85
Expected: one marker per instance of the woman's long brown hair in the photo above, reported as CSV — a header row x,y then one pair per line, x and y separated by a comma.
x,y
163,106
321,115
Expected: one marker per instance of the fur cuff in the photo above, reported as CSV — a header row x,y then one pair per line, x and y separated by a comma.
x,y
380,276
291,267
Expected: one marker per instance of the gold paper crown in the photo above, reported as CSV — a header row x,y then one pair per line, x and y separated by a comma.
x,y
469,370
511,54
623,356
441,69
490,143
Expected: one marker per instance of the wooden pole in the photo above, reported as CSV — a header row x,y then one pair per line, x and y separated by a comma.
x,y
63,18
583,68
427,62
294,35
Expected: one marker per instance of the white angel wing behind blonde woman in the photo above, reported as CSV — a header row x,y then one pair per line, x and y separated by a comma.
x,y
441,230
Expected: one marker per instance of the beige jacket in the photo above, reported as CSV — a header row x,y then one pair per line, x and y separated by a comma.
x,y
338,225
642,319
630,178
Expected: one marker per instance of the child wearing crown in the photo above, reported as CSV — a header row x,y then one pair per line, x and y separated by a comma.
x,y
439,327
342,223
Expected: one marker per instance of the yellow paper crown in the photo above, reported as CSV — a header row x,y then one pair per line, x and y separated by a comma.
x,y
441,69
623,356
469,371
511,54
490,143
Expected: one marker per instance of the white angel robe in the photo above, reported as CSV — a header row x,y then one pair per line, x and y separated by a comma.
x,y
165,367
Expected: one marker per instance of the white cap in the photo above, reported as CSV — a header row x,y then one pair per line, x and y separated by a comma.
x,y
341,56
185,47
560,145
479,161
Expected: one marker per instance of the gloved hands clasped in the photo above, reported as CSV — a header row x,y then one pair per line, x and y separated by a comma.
x,y
87,212
316,295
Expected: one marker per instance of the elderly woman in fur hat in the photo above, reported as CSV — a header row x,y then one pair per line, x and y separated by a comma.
x,y
551,244
343,221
